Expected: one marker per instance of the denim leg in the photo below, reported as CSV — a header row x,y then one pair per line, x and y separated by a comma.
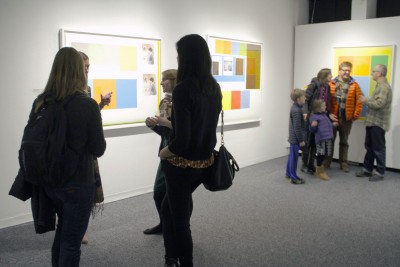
x,y
379,148
369,155
73,204
291,166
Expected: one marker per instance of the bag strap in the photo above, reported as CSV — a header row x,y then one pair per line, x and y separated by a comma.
x,y
222,127
235,166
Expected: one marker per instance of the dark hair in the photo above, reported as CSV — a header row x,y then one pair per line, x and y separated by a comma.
x,y
323,75
194,61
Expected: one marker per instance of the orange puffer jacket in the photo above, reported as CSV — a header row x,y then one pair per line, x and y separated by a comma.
x,y
353,104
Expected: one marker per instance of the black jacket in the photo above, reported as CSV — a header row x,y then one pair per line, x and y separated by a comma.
x,y
194,121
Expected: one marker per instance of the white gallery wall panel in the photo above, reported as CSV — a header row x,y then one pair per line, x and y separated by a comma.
x,y
29,33
314,50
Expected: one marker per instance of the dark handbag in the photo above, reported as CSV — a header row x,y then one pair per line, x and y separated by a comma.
x,y
222,172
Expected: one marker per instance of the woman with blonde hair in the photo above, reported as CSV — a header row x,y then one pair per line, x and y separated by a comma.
x,y
161,125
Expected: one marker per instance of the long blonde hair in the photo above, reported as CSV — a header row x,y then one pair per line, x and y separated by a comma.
x,y
66,77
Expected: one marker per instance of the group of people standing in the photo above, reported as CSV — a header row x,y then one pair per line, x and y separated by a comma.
x,y
187,125
330,106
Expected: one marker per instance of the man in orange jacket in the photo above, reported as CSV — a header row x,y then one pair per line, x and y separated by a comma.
x,y
345,108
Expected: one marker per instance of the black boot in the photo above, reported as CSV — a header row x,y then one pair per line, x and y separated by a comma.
x,y
308,161
171,262
158,198
304,159
311,161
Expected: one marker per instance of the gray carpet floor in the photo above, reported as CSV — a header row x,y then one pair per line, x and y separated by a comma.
x,y
263,220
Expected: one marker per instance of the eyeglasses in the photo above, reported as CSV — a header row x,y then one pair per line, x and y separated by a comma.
x,y
375,71
345,70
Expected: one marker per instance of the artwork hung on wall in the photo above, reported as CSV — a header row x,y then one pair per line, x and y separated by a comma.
x,y
237,67
127,66
364,58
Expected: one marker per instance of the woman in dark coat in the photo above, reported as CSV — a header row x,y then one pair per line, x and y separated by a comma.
x,y
196,104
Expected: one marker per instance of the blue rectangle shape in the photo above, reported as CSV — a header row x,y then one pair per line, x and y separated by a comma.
x,y
235,48
364,82
221,78
126,94
90,84
245,99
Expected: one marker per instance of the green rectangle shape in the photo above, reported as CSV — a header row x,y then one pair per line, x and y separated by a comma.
x,y
243,49
379,60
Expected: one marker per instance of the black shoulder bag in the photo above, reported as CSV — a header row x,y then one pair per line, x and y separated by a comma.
x,y
222,172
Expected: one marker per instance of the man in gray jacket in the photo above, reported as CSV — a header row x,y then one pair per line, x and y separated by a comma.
x,y
377,122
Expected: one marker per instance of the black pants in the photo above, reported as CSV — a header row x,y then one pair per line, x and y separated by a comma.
x,y
308,154
375,144
177,209
158,199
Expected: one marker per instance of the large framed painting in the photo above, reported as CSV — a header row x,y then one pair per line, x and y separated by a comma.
x,y
237,67
364,58
126,66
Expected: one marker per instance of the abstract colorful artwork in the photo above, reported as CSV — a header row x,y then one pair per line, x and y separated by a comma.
x,y
126,66
363,60
236,65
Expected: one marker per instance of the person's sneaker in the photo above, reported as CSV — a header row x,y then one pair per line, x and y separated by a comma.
x,y
363,173
297,181
376,177
156,230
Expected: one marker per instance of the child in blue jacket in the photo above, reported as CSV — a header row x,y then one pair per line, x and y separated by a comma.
x,y
297,135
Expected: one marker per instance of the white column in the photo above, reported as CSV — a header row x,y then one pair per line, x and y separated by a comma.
x,y
363,9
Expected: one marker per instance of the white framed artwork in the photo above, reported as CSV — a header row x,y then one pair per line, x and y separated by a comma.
x,y
237,67
126,66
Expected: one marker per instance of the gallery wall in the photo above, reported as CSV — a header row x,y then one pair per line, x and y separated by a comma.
x,y
29,34
314,46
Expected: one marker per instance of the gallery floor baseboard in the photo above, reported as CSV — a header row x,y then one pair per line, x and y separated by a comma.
x,y
16,220
128,194
254,161
24,218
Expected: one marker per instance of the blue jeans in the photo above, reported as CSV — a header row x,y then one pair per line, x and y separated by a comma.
x,y
291,166
375,144
73,204
177,209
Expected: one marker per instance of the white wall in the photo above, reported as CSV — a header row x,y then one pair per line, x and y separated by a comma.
x,y
29,34
314,51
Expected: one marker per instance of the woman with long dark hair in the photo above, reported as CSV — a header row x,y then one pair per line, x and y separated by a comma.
x,y
196,104
317,89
